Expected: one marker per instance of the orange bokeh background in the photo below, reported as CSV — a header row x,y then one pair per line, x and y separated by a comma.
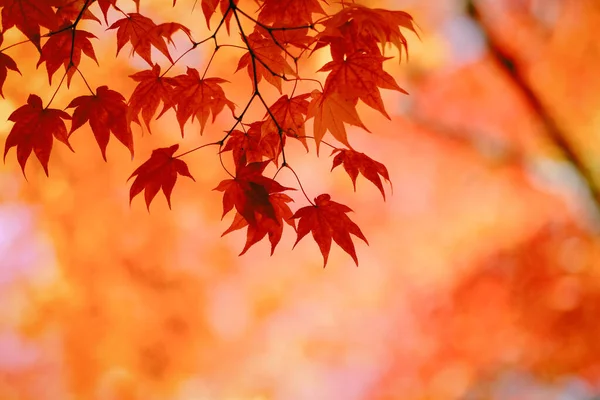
x,y
482,277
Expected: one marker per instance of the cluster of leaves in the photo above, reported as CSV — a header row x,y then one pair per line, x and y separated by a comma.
x,y
284,31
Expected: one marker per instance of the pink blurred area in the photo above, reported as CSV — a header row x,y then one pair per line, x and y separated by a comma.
x,y
480,280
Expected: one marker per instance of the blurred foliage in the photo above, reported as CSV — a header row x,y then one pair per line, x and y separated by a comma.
x,y
481,281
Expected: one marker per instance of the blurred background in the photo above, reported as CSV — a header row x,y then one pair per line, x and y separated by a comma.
x,y
481,281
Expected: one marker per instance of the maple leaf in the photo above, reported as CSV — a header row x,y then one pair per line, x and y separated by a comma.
x,y
358,76
27,16
290,115
251,146
143,34
289,13
355,162
159,172
65,48
330,112
249,192
328,220
197,97
209,7
361,26
6,63
106,112
268,58
34,129
265,226
70,9
151,90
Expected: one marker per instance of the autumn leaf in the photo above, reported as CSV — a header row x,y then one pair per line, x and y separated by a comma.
x,y
289,13
6,63
355,163
328,220
65,48
159,172
106,112
34,129
268,59
197,97
143,34
28,16
359,76
264,225
249,192
330,112
357,27
151,90
251,146
209,7
290,115
70,9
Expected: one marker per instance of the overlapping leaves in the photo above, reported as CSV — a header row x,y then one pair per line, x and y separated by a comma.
x,y
281,33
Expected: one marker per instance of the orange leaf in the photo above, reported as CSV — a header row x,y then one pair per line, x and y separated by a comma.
x,y
355,162
159,172
150,91
28,16
197,97
249,192
70,9
289,13
63,48
105,111
143,34
268,59
209,7
358,76
33,130
264,225
290,115
6,63
330,113
359,26
251,146
328,220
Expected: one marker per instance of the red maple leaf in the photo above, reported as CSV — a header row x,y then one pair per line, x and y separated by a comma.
x,y
70,9
268,58
355,162
359,76
251,146
33,130
289,13
361,28
28,16
159,172
330,112
6,63
265,226
143,34
290,115
151,90
65,48
198,97
106,112
328,220
209,7
249,192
